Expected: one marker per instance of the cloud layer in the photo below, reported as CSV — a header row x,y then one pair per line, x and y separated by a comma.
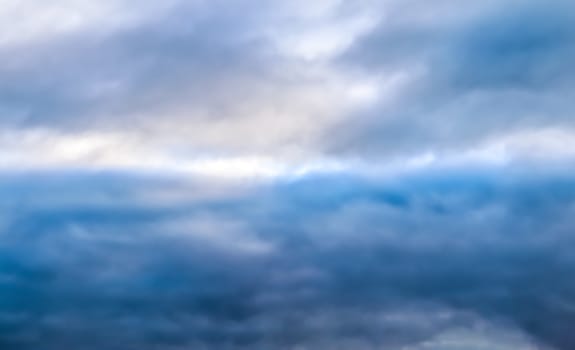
x,y
473,259
253,174
289,80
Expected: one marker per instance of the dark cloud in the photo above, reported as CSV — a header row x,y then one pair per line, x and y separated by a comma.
x,y
333,261
472,71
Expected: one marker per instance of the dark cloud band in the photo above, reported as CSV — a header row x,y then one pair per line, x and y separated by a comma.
x,y
320,262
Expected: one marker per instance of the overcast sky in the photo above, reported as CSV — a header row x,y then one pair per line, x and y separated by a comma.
x,y
287,174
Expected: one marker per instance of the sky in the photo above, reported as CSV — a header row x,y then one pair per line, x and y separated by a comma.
x,y
287,175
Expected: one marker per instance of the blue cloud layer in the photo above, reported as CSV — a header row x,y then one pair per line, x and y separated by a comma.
x,y
316,263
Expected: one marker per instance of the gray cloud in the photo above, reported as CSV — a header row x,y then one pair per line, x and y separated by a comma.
x,y
473,71
235,77
147,62
212,77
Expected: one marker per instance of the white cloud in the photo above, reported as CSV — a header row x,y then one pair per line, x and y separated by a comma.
x,y
28,21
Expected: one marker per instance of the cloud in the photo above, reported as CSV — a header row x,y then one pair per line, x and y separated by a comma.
x,y
471,72
96,260
252,174
337,80
197,76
